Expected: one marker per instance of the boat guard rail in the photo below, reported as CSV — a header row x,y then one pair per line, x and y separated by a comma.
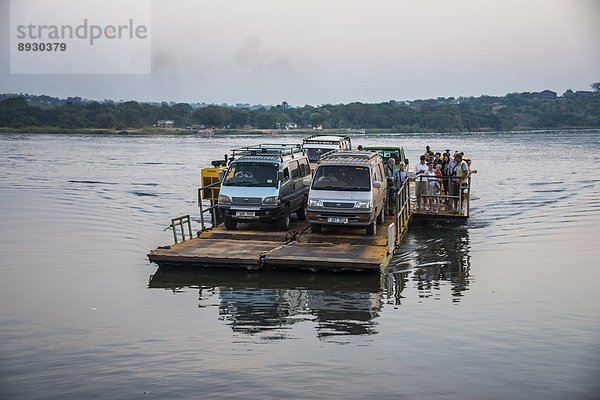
x,y
181,222
212,209
462,198
402,208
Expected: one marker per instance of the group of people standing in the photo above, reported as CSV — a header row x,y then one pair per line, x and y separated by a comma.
x,y
439,178
441,174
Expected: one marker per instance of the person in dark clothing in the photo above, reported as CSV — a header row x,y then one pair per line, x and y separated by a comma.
x,y
390,175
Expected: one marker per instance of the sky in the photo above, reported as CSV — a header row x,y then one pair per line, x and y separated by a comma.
x,y
340,51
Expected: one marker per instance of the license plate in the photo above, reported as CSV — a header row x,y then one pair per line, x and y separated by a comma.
x,y
337,220
245,214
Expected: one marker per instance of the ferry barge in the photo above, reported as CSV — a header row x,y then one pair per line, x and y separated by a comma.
x,y
258,245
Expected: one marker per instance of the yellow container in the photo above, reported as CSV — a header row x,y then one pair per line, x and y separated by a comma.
x,y
208,176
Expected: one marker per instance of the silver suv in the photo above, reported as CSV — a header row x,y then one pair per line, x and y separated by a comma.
x,y
348,189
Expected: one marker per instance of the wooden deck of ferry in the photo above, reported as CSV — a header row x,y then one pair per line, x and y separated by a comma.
x,y
254,245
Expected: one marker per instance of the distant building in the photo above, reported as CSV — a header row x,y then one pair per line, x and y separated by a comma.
x,y
544,95
286,125
165,123
350,130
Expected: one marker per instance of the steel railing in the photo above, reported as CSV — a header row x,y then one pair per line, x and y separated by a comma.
x,y
460,196
181,222
402,208
212,209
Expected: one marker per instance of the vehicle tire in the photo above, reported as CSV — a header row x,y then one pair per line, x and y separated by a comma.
x,y
230,223
315,228
381,217
301,213
372,228
284,221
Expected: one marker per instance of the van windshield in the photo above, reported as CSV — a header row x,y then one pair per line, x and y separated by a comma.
x,y
349,178
315,154
251,174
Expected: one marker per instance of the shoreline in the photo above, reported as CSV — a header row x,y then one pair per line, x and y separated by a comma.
x,y
179,131
257,132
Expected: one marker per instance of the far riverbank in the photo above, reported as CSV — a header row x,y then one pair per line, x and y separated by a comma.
x,y
180,131
262,132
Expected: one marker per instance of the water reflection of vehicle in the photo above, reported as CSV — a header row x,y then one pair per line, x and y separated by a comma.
x,y
435,255
255,302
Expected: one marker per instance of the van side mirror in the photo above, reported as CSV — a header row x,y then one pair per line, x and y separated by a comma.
x,y
221,175
306,181
280,176
376,184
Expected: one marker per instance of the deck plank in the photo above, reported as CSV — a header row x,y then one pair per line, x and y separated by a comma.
x,y
201,251
327,256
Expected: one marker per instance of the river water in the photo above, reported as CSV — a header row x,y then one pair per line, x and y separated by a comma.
x,y
506,306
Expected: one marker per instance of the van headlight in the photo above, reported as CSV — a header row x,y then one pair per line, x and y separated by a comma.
x,y
272,200
362,204
224,199
315,203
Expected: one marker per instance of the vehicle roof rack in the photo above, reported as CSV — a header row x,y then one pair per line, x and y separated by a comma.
x,y
268,151
309,138
349,155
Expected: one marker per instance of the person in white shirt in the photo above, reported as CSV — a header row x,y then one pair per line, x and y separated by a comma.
x,y
431,191
420,181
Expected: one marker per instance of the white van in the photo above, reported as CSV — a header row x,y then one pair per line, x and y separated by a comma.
x,y
316,145
264,183
348,189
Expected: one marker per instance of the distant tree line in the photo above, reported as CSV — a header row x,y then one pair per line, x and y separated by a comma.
x,y
513,111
